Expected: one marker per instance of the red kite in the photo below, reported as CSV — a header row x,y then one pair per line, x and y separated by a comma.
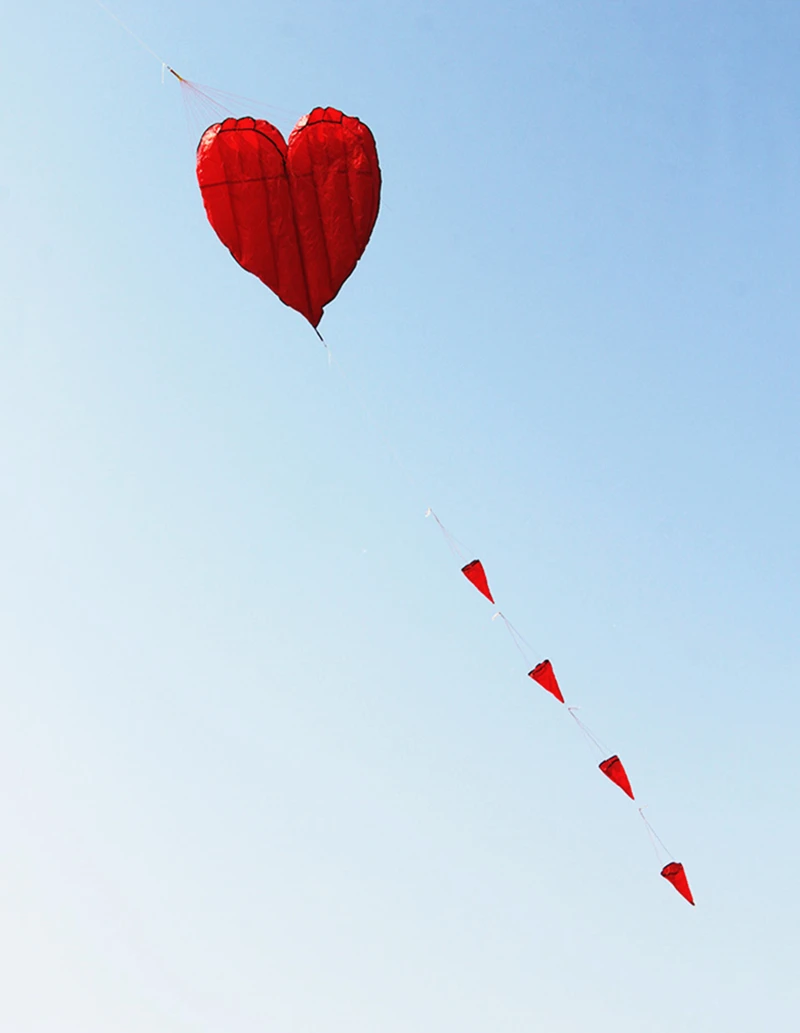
x,y
298,215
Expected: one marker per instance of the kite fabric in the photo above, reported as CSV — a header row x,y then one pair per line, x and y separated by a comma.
x,y
614,769
298,215
674,873
476,575
544,675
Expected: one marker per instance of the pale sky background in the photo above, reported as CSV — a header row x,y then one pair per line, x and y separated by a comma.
x,y
266,762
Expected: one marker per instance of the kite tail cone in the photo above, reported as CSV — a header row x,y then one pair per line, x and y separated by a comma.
x,y
613,769
544,675
674,873
475,573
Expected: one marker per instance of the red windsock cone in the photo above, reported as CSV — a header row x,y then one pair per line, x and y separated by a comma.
x,y
543,674
475,573
613,769
674,873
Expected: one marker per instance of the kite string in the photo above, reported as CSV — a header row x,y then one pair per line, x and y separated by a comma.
x,y
139,40
198,97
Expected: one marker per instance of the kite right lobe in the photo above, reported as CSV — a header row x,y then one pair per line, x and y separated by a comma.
x,y
674,873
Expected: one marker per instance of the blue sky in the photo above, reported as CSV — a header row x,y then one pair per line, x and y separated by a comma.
x,y
267,762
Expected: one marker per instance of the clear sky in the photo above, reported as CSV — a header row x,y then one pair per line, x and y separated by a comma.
x,y
267,763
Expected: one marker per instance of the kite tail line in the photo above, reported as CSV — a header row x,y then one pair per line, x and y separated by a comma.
x,y
380,433
611,766
587,732
525,648
656,840
542,673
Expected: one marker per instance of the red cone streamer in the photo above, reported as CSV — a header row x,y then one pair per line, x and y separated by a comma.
x,y
613,769
475,573
543,674
674,873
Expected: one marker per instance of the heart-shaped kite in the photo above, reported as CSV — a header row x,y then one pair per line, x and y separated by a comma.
x,y
297,216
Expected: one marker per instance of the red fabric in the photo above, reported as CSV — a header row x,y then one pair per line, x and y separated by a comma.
x,y
475,573
674,873
543,674
613,769
297,216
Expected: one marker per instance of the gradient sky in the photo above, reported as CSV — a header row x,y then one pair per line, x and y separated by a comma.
x,y
267,763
